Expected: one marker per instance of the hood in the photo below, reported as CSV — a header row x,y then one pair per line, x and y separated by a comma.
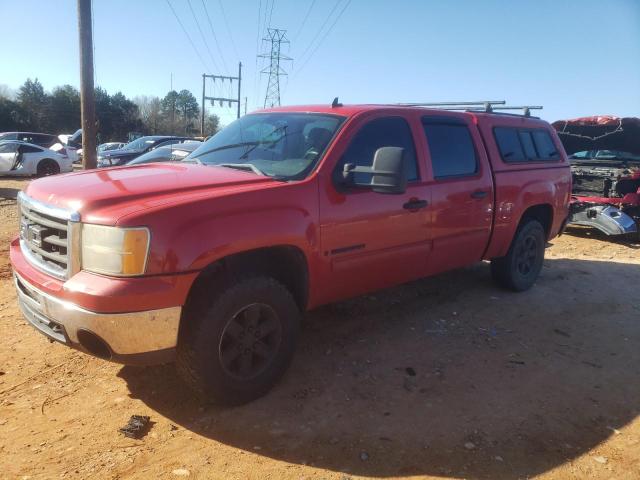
x,y
106,195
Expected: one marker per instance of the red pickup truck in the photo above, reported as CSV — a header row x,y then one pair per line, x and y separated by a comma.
x,y
211,261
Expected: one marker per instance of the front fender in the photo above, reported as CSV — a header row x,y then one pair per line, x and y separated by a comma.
x,y
190,236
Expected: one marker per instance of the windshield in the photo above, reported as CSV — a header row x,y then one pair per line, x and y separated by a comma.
x,y
282,145
140,144
105,147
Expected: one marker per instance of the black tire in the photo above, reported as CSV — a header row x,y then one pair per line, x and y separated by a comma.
x,y
518,270
217,333
47,167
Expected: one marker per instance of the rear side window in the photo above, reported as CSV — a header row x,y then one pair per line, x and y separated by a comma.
x,y
29,149
544,145
509,144
525,145
381,132
451,148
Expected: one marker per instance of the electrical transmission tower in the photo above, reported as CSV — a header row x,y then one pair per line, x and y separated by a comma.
x,y
277,38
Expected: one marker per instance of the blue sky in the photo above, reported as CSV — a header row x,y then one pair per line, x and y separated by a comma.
x,y
576,58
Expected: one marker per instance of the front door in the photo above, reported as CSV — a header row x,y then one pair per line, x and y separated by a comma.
x,y
8,153
372,240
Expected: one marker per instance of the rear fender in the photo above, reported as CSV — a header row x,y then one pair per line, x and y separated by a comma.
x,y
511,204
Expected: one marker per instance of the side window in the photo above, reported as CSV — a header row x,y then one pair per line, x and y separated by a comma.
x,y
527,144
451,148
544,145
509,144
38,140
519,145
8,148
381,132
29,149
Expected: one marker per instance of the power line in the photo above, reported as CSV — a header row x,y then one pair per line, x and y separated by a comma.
x,y
215,37
204,40
323,38
193,45
226,22
256,73
304,22
264,22
320,29
263,32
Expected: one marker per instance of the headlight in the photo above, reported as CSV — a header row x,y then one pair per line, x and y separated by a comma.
x,y
114,250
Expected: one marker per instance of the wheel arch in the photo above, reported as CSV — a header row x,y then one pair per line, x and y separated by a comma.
x,y
285,263
543,213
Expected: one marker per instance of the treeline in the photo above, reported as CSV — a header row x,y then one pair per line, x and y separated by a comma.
x,y
32,109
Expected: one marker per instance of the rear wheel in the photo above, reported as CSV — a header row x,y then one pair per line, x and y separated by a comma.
x,y
519,268
47,167
237,344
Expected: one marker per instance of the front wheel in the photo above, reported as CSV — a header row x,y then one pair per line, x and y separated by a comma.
x,y
235,346
519,268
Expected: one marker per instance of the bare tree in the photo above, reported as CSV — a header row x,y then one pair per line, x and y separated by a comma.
x,y
150,109
7,92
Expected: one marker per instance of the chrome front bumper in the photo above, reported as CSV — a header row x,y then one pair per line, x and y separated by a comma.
x,y
146,337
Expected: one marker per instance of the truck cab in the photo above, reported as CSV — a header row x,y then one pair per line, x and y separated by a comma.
x,y
212,261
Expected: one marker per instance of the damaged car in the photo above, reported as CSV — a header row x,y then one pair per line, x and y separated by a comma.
x,y
604,152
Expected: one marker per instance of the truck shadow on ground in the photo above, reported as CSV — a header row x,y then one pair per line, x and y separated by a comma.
x,y
443,376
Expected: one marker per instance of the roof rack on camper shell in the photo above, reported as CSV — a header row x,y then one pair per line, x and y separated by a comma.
x,y
487,106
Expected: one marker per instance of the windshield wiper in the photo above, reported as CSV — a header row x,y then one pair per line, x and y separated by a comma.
x,y
245,155
226,147
248,167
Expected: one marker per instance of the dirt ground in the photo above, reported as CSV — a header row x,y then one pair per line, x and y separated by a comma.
x,y
447,377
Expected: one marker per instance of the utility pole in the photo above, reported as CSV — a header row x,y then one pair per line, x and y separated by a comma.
x,y
87,93
220,100
276,37
202,113
239,83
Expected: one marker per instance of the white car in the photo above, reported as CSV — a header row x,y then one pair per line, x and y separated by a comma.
x,y
21,158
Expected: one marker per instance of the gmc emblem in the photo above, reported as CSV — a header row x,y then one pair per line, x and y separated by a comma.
x,y
34,235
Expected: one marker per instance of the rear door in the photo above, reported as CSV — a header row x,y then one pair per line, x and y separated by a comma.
x,y
462,194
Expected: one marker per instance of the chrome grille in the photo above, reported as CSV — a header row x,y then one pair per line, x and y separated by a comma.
x,y
47,236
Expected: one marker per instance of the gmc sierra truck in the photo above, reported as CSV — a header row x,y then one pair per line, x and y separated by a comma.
x,y
211,261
